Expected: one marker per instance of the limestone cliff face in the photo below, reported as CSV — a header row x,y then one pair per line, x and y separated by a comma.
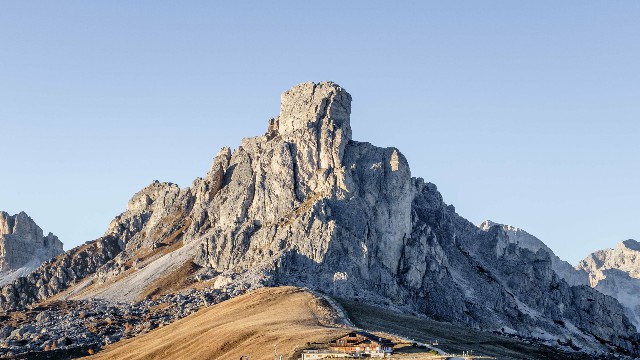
x,y
304,204
616,272
303,198
523,239
613,272
23,247
513,290
58,274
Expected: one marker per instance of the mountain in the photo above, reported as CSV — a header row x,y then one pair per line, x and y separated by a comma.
x,y
523,239
616,272
306,205
23,247
613,272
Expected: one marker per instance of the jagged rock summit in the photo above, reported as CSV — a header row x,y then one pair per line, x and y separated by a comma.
x,y
521,238
305,204
625,257
613,272
23,247
616,272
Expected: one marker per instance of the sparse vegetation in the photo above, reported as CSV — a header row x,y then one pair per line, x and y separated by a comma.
x,y
249,324
128,329
178,279
451,338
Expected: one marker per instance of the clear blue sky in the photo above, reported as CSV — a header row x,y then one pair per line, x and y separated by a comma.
x,y
526,113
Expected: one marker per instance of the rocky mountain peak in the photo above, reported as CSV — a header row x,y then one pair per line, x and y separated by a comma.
x,y
23,245
18,223
616,272
308,105
630,244
487,224
305,205
624,257
523,240
314,128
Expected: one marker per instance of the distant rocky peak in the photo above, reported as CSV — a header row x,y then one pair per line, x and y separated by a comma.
x,y
630,245
7,222
624,257
514,236
627,251
488,224
18,223
616,272
523,239
22,243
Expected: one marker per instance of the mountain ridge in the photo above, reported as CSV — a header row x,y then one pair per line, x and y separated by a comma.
x,y
616,272
613,272
23,246
306,205
522,238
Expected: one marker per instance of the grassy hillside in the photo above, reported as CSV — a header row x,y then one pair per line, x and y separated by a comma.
x,y
451,338
250,325
290,318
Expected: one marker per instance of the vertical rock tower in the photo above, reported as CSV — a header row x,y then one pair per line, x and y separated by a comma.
x,y
23,245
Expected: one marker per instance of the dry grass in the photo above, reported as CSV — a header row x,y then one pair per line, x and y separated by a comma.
x,y
451,338
250,325
172,237
176,280
172,220
164,250
202,284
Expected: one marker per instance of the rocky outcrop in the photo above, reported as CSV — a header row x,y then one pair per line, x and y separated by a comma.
x,y
55,276
616,272
509,288
305,204
23,246
613,272
72,327
525,240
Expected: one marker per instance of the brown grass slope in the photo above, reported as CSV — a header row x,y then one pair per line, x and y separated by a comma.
x,y
451,338
251,324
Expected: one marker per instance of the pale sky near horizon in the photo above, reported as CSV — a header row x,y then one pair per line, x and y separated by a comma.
x,y
525,113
